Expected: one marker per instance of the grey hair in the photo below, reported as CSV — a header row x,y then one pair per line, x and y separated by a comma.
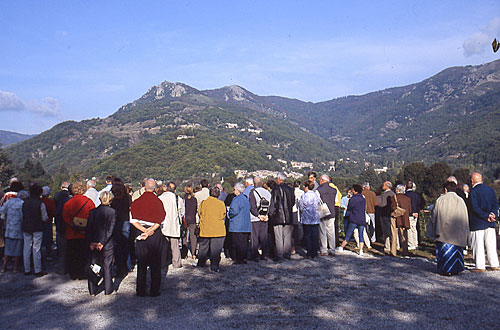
x,y
258,181
150,184
452,179
281,176
106,197
240,187
400,188
46,191
249,180
324,177
23,194
91,183
366,185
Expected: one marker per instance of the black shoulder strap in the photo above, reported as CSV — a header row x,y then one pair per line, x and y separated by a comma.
x,y
255,189
81,208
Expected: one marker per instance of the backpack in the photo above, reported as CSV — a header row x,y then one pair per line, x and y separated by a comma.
x,y
264,204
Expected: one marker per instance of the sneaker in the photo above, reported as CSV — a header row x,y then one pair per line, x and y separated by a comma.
x,y
339,249
361,253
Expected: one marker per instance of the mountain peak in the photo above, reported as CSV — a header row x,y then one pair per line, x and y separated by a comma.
x,y
167,89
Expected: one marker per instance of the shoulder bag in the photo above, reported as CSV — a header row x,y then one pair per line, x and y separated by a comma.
x,y
399,211
323,209
77,223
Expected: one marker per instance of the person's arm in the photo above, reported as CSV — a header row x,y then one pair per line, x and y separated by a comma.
x,y
111,220
474,198
234,208
253,204
43,210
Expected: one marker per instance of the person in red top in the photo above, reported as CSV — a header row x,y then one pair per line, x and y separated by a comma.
x,y
147,214
48,238
77,251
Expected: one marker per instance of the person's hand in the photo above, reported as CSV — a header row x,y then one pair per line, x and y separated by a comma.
x,y
492,218
144,235
263,218
99,246
415,215
92,246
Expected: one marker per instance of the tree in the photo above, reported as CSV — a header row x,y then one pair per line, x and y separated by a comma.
x,y
7,169
369,175
438,173
462,175
416,172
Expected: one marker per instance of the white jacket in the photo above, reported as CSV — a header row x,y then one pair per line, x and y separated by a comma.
x,y
170,227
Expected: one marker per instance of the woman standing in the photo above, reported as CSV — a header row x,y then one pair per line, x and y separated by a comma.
x,y
240,224
100,239
357,219
309,217
449,226
212,213
12,212
191,207
121,204
77,250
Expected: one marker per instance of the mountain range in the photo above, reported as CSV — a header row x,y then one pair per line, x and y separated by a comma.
x,y
179,132
8,137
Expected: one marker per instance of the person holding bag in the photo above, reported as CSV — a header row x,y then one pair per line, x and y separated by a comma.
x,y
400,220
75,213
101,224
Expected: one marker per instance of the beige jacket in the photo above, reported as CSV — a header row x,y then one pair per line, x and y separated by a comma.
x,y
449,220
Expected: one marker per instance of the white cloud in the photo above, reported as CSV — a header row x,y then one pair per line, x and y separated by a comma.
x,y
47,107
480,41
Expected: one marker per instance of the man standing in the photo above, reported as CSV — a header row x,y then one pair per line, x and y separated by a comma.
x,y
171,226
371,202
92,193
400,223
109,184
259,210
147,214
483,215
281,216
416,201
327,226
204,193
248,187
385,215
223,194
61,197
312,177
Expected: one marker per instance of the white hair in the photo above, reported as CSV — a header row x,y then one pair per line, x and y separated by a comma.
x,y
400,188
324,177
91,183
281,176
240,187
258,181
46,191
452,179
366,185
249,180
150,185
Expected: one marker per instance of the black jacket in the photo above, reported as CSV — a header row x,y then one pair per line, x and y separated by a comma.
x,y
280,208
100,225
328,195
32,216
416,201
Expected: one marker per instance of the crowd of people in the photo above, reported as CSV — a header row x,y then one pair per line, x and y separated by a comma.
x,y
105,234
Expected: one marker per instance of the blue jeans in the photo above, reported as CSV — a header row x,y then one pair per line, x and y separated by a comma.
x,y
311,236
350,230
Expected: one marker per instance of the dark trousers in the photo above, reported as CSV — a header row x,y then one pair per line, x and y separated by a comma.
x,y
337,229
103,258
240,244
210,246
193,240
149,254
77,254
260,237
121,251
311,236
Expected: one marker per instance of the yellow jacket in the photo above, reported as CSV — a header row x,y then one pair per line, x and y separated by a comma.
x,y
339,195
212,213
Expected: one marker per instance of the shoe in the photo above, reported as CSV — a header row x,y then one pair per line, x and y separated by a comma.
x,y
331,253
28,273
339,249
323,254
493,269
3,270
40,274
215,270
475,270
361,253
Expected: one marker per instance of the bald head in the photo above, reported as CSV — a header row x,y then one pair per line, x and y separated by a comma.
x,y
476,177
150,185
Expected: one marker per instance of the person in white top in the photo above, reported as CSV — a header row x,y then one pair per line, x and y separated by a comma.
x,y
92,193
109,184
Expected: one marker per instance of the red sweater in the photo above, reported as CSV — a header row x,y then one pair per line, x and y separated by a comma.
x,y
148,207
69,211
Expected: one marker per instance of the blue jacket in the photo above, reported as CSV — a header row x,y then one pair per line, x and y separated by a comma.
x,y
308,206
356,209
483,201
239,215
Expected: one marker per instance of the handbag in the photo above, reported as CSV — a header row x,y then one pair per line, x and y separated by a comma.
x,y
77,223
323,209
94,270
399,211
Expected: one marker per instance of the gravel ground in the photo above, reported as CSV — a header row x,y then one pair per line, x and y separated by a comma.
x,y
346,290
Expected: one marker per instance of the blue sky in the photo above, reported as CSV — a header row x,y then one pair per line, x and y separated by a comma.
x,y
69,60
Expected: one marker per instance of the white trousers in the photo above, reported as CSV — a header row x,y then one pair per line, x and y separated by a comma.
x,y
32,242
480,239
327,235
412,234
